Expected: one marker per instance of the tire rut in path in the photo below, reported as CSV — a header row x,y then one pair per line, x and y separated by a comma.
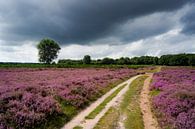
x,y
149,121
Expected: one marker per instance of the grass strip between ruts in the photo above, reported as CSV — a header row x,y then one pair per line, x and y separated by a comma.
x,y
99,108
130,105
109,120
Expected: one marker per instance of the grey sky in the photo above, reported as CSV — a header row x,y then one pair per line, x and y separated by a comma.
x,y
84,27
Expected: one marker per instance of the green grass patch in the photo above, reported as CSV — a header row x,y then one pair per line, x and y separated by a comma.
x,y
154,92
78,127
69,110
54,122
150,69
130,105
57,121
112,85
109,120
62,65
99,108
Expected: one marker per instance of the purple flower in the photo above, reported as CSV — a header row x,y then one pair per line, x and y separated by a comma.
x,y
28,95
175,105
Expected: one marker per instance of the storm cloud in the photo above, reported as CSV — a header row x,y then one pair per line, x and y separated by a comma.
x,y
189,21
100,28
80,22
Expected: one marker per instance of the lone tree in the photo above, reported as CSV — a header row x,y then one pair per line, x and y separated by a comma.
x,y
48,50
87,59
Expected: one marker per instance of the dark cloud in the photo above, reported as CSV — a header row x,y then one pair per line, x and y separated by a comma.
x,y
75,21
146,26
189,21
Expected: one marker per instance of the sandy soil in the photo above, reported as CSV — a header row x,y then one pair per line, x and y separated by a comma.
x,y
121,122
90,123
149,121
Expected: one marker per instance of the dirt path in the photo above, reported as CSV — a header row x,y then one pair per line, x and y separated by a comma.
x,y
90,123
149,121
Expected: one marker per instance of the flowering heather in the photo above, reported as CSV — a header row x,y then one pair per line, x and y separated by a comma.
x,y
29,96
175,105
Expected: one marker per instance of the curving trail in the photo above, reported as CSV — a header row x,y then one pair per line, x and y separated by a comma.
x,y
149,121
90,123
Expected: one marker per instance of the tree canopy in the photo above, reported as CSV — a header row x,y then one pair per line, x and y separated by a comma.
x,y
86,59
48,50
170,60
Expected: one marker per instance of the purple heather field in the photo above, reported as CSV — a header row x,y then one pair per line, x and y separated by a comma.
x,y
175,104
28,96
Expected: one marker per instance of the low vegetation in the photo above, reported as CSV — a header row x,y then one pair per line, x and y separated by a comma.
x,y
173,91
78,127
64,65
47,98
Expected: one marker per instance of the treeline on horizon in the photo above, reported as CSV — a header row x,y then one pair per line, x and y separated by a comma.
x,y
169,60
135,62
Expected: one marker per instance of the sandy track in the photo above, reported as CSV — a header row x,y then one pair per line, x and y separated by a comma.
x,y
149,121
89,124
